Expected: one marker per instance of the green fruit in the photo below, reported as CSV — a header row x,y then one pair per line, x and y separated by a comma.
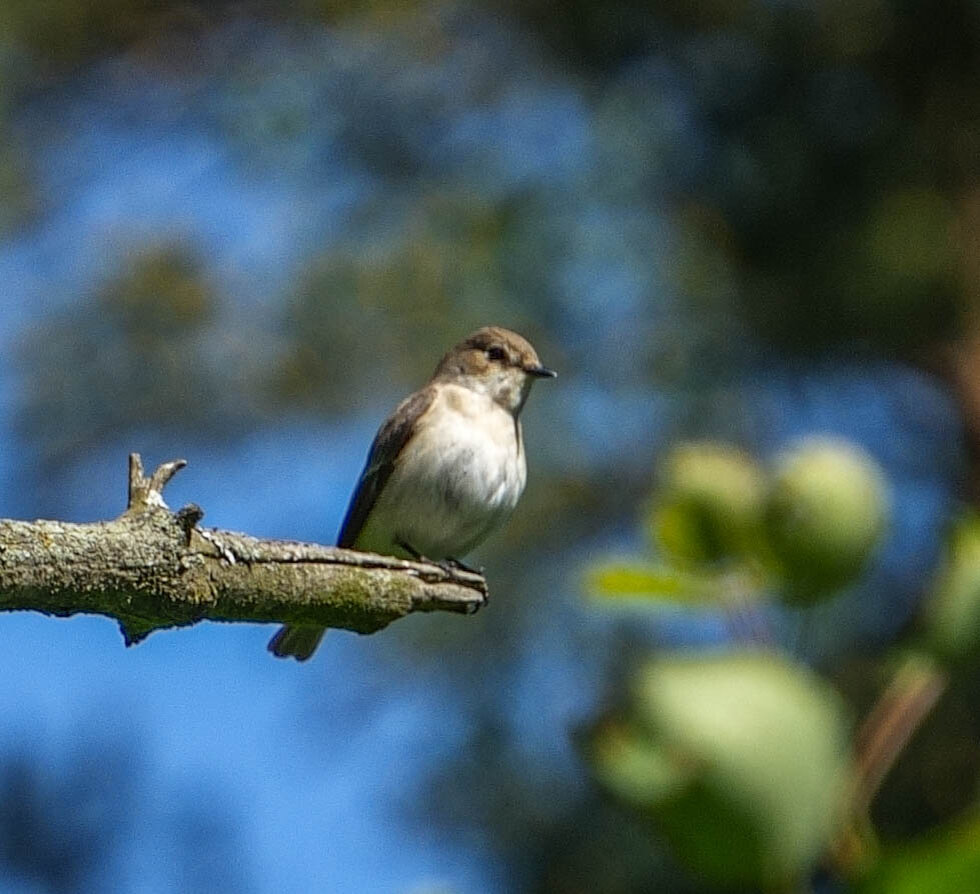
x,y
826,511
709,504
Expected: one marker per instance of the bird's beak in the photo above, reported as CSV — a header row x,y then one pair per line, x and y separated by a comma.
x,y
540,372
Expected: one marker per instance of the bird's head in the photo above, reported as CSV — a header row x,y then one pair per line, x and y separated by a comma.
x,y
496,362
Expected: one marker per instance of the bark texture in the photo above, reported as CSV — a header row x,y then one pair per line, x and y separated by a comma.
x,y
152,568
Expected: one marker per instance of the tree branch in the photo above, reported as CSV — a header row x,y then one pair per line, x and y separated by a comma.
x,y
915,687
152,568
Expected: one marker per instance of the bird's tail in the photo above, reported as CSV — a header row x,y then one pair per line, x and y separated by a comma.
x,y
295,641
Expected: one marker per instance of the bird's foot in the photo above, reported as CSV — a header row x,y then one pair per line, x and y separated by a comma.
x,y
415,555
448,564
457,565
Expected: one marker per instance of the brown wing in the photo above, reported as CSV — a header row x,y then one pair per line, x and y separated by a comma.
x,y
388,443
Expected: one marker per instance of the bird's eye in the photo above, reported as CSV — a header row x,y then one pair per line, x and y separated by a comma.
x,y
496,353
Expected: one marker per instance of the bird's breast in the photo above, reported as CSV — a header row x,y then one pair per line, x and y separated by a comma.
x,y
459,476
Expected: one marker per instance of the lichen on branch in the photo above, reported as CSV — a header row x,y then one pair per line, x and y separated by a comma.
x,y
152,568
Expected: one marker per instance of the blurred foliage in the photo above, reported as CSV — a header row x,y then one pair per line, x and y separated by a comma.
x,y
18,196
632,579
810,527
442,276
935,781
954,618
58,35
947,862
710,504
161,297
840,141
740,760
839,138
826,511
140,353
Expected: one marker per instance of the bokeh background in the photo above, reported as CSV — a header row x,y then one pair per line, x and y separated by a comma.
x,y
240,233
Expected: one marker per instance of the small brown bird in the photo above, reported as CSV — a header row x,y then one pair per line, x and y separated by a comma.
x,y
446,468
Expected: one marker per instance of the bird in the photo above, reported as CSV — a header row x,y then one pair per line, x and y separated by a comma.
x,y
446,468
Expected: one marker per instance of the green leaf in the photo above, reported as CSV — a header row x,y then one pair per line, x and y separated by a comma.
x,y
953,612
635,580
741,759
633,768
943,863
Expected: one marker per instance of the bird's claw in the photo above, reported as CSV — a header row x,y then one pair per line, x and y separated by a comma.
x,y
449,564
452,564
